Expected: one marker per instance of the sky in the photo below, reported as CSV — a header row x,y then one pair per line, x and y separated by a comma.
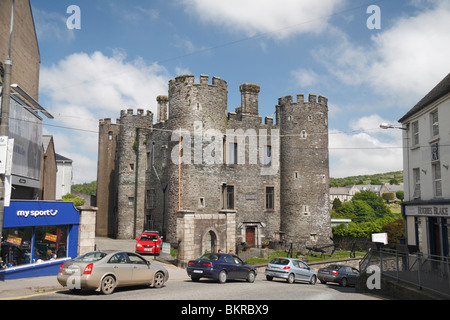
x,y
372,63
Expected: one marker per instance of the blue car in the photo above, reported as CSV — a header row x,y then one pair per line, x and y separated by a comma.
x,y
220,267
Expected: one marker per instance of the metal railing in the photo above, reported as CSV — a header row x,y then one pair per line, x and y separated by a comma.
x,y
424,271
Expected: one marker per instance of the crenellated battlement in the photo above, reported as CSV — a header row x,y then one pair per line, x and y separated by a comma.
x,y
204,80
312,98
130,112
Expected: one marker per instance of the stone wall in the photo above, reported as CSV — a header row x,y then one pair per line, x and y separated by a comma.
x,y
86,232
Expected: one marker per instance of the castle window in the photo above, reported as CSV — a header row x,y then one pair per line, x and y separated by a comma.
x,y
150,199
270,197
227,197
267,155
131,167
306,211
296,175
149,161
201,202
304,134
232,153
110,135
313,236
131,201
309,118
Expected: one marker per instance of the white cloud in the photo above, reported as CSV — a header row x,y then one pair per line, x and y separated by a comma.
x,y
402,63
283,17
365,150
51,26
81,89
305,77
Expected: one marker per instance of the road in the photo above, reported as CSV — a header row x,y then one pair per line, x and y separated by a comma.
x,y
180,287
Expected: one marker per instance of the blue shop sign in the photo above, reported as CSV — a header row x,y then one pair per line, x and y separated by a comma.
x,y
40,213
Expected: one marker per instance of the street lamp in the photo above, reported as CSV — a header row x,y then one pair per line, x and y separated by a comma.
x,y
391,126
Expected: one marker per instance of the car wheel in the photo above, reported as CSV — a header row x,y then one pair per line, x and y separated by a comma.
x,y
344,282
313,280
251,277
222,276
108,285
158,282
291,278
269,278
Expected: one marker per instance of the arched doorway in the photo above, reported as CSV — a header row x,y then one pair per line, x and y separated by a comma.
x,y
210,242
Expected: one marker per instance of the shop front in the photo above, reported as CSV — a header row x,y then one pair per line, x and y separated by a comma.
x,y
37,237
428,226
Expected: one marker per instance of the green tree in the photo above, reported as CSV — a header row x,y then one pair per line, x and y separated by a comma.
x,y
77,201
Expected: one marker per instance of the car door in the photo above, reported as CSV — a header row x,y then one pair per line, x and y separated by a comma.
x,y
301,270
353,275
118,264
141,272
230,266
241,269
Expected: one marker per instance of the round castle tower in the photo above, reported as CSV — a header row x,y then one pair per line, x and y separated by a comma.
x,y
191,102
304,170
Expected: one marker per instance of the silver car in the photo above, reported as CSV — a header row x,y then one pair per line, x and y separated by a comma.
x,y
290,269
105,270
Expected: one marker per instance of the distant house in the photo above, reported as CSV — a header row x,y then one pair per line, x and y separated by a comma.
x,y
346,193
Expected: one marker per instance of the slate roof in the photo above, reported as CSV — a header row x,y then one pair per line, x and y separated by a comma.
x,y
438,92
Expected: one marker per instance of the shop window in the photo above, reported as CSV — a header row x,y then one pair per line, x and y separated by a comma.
x,y
49,243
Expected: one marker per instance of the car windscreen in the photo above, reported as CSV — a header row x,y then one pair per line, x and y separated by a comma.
x,y
148,237
281,261
91,257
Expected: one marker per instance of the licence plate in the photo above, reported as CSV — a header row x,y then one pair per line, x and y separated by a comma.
x,y
149,249
198,271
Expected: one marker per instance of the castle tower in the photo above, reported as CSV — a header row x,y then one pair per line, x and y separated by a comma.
x,y
162,108
132,154
249,98
192,103
304,170
107,139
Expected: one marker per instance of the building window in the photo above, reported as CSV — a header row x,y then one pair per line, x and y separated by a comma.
x,y
232,153
270,197
415,133
150,198
437,181
434,124
227,197
304,134
149,161
416,177
267,155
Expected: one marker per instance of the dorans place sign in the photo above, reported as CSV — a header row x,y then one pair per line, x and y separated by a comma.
x,y
40,213
428,210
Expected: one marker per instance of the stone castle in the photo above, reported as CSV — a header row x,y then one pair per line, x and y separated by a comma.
x,y
207,179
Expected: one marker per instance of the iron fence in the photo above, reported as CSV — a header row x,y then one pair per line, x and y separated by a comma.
x,y
424,271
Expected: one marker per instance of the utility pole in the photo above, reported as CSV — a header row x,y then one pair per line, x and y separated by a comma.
x,y
4,125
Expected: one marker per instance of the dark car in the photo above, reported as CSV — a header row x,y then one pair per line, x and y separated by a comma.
x,y
221,267
344,275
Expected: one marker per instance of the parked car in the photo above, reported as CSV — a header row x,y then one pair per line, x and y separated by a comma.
x,y
290,269
105,270
344,275
221,267
149,242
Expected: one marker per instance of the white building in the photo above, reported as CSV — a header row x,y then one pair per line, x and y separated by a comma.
x,y
426,165
64,176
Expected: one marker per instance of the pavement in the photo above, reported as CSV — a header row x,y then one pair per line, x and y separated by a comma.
x,y
29,287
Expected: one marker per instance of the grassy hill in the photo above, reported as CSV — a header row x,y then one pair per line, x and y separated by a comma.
x,y
395,177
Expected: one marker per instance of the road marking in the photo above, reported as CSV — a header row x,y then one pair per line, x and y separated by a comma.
x,y
31,295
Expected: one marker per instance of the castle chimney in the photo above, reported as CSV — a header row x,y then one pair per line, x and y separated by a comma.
x,y
249,98
162,108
